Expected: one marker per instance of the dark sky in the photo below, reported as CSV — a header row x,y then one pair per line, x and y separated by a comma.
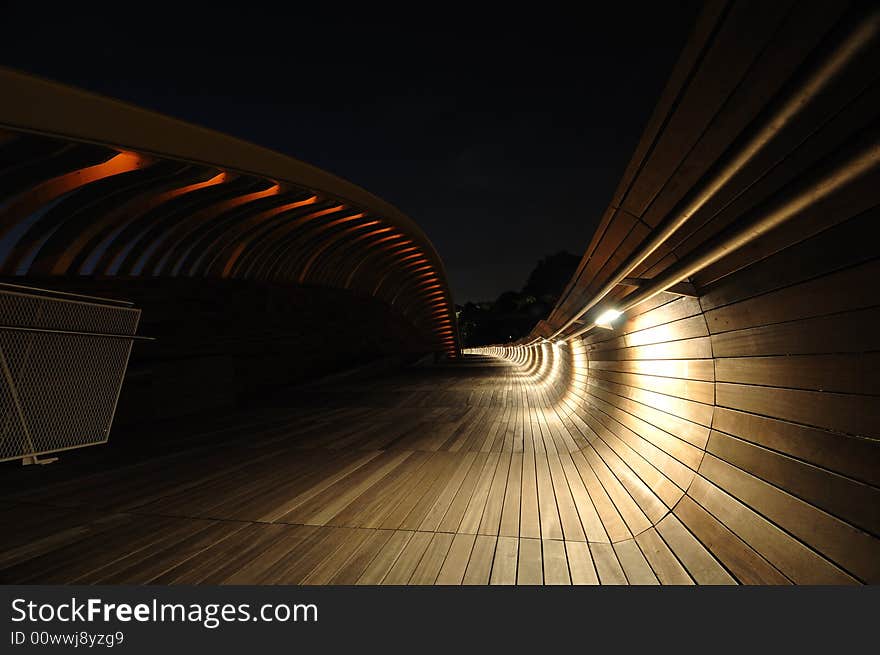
x,y
502,135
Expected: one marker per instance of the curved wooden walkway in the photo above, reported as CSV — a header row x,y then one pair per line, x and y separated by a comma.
x,y
440,475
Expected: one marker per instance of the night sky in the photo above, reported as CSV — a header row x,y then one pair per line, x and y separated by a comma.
x,y
502,135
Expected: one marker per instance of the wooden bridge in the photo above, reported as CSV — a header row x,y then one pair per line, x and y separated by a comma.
x,y
700,407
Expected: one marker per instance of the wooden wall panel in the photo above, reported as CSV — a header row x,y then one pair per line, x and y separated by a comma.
x,y
738,431
734,434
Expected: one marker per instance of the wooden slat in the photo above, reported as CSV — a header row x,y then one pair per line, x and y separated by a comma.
x,y
663,562
473,514
530,569
635,566
700,564
410,556
853,414
450,487
853,456
504,564
840,291
328,568
853,501
432,561
796,561
852,549
380,565
742,561
456,563
555,563
529,525
349,573
510,513
480,565
580,563
492,514
607,565
551,527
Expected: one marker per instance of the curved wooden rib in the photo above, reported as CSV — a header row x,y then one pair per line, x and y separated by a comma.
x,y
236,211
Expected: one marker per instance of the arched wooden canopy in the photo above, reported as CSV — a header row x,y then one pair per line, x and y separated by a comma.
x,y
90,186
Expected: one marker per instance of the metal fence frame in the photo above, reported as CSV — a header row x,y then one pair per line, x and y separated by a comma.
x,y
63,359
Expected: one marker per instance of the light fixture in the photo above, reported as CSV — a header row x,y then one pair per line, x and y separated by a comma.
x,y
606,318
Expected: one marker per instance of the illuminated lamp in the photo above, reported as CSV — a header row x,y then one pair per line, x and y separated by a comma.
x,y
606,319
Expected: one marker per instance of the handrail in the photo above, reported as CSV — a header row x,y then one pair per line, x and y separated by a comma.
x,y
76,333
855,43
811,191
18,288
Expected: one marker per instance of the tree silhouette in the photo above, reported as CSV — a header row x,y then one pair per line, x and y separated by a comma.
x,y
514,313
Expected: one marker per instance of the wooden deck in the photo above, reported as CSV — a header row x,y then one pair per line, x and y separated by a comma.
x,y
731,436
447,475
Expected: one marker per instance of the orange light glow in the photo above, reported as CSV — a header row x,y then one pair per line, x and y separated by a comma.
x,y
431,280
333,239
137,207
418,262
45,193
408,257
264,216
401,252
391,237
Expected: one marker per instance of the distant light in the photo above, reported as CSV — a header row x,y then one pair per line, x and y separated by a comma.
x,y
607,317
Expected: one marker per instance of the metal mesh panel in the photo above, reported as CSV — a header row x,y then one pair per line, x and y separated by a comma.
x,y
34,311
62,363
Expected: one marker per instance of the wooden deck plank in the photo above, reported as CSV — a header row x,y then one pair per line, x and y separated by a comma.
x,y
530,522
473,514
381,564
405,565
580,563
555,563
663,562
530,565
607,566
432,561
510,513
480,565
349,572
448,489
504,563
519,488
698,561
408,511
457,559
328,567
568,514
636,568
289,540
491,518
589,517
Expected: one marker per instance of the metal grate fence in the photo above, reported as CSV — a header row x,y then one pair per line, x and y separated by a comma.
x,y
62,362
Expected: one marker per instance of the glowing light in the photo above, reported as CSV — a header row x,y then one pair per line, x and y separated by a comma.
x,y
607,317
